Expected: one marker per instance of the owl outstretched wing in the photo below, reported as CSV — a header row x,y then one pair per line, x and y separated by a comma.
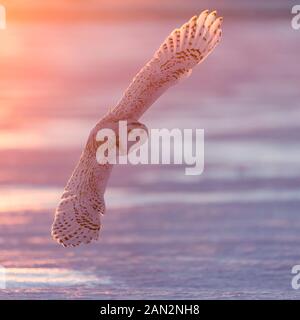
x,y
182,50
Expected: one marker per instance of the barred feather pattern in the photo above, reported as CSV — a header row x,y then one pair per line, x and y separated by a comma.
x,y
182,50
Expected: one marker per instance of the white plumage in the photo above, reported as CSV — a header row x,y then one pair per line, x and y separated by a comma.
x,y
77,217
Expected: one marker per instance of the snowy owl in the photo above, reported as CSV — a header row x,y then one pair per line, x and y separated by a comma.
x,y
77,217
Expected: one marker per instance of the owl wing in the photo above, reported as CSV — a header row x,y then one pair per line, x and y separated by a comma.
x,y
182,50
77,217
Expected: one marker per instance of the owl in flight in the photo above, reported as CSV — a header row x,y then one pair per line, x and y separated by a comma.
x,y
77,217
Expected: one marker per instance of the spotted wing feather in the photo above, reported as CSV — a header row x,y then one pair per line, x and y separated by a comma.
x,y
182,50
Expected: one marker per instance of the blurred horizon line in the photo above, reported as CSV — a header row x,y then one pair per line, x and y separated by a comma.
x,y
55,11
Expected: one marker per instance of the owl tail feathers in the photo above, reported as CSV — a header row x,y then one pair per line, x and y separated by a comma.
x,y
76,223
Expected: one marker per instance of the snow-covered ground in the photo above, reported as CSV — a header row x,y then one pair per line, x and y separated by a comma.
x,y
233,232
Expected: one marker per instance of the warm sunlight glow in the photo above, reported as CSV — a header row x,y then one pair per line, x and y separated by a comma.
x,y
2,17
